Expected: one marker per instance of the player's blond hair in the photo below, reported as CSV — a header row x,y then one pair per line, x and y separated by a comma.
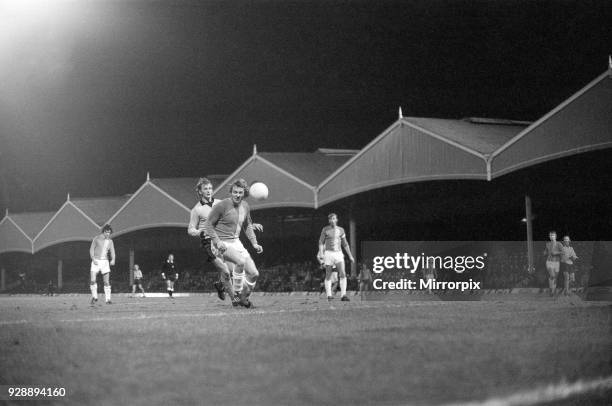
x,y
198,186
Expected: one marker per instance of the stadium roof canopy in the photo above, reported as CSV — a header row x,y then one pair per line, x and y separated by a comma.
x,y
70,223
419,149
581,123
412,149
157,203
100,209
18,230
291,177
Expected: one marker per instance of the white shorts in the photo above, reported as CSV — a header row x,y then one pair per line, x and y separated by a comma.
x,y
552,267
331,258
237,247
103,267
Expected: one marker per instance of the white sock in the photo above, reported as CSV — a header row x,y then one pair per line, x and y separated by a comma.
x,y
343,286
251,285
238,280
328,287
107,293
94,290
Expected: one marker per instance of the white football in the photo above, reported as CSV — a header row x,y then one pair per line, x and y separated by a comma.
x,y
259,191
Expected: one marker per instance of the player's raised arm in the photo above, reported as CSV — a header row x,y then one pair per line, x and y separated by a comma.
x,y
250,233
248,230
194,220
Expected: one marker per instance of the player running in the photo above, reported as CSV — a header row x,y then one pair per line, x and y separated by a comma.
x,y
553,253
223,225
568,256
100,247
332,239
170,274
199,214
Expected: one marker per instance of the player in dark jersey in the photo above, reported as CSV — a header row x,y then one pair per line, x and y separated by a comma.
x,y
170,274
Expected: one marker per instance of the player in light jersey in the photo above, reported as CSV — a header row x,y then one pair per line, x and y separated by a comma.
x,y
199,214
137,281
330,251
553,252
101,246
223,225
568,256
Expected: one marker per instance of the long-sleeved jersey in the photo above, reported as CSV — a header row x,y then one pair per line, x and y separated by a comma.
x,y
199,214
332,238
553,251
226,220
100,247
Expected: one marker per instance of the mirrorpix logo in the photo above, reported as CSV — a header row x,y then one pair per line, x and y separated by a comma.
x,y
431,268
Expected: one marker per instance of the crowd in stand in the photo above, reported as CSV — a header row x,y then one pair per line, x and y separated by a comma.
x,y
503,271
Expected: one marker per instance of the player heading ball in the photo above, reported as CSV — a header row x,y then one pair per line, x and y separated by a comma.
x,y
223,225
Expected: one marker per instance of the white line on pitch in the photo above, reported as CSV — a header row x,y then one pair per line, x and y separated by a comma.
x,y
546,394
10,322
229,313
239,312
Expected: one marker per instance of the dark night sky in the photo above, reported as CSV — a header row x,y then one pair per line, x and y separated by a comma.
x,y
93,94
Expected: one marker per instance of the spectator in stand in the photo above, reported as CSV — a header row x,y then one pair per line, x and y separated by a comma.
x,y
429,273
364,277
308,280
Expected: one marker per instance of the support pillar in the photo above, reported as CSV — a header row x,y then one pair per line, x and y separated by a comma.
x,y
131,266
353,241
60,279
528,218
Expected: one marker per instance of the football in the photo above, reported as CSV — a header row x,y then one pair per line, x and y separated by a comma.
x,y
259,191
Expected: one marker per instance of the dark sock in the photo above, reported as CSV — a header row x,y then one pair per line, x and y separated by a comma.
x,y
227,285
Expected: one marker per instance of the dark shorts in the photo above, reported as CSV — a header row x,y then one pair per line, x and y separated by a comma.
x,y
138,281
208,249
569,268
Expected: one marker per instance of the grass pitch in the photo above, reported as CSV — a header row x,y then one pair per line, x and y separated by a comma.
x,y
302,350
